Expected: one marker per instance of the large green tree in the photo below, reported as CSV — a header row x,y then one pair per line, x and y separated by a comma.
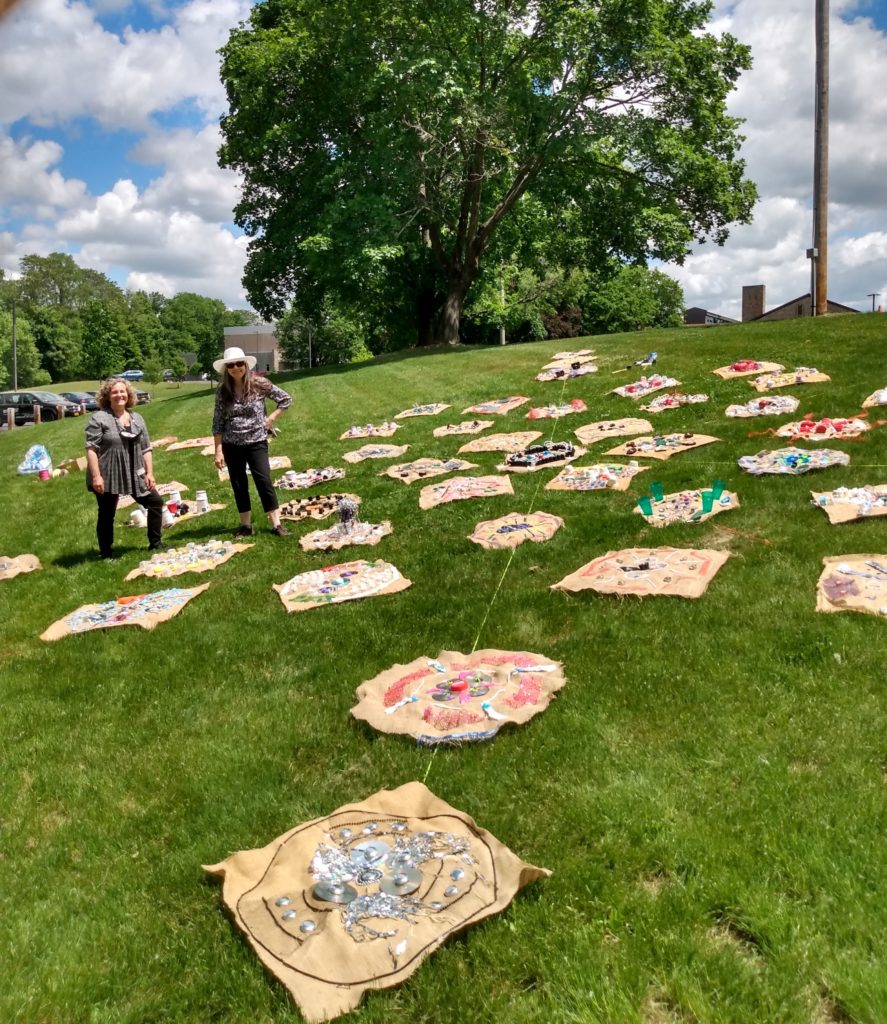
x,y
634,299
393,132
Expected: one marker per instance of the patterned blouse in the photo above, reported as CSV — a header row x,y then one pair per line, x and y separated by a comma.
x,y
121,458
243,422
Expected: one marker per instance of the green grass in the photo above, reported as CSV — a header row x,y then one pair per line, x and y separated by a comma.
x,y
708,789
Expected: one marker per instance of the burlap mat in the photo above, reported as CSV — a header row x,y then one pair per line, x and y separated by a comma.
x,y
386,429
338,537
745,370
467,877
645,386
497,406
662,446
823,430
602,476
145,610
126,500
555,412
422,410
203,557
315,506
465,427
348,581
567,372
878,397
161,442
514,442
792,461
646,572
275,462
193,442
775,405
292,481
578,452
376,451
12,565
515,528
802,375
459,698
673,400
421,469
603,430
686,507
853,583
458,488
850,504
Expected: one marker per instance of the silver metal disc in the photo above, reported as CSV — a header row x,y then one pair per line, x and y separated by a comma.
x,y
401,883
334,892
369,852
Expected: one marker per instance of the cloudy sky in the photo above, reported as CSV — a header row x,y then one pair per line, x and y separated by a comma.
x,y
109,116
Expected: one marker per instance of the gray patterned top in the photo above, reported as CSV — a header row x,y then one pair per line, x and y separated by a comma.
x,y
244,422
121,459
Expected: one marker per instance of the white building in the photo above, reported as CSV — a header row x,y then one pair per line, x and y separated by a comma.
x,y
259,340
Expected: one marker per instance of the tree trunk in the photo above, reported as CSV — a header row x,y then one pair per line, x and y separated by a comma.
x,y
448,324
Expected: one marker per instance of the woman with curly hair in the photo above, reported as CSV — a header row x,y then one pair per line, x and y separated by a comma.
x,y
119,461
240,431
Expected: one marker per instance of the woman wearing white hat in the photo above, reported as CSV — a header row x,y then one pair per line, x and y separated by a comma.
x,y
240,431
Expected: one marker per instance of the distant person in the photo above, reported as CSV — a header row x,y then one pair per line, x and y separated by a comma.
x,y
119,461
240,431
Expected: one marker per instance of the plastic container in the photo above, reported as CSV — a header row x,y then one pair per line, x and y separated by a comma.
x,y
201,501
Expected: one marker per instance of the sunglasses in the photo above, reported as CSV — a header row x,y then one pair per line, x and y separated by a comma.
x,y
236,365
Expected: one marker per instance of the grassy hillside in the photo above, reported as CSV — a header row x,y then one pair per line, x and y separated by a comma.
x,y
708,789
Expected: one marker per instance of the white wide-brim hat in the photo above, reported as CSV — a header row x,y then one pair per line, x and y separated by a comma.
x,y
234,355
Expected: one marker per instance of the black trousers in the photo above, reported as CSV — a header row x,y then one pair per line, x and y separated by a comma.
x,y
237,458
104,531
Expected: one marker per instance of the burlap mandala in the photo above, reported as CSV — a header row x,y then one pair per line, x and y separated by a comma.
x,y
376,451
745,368
878,397
126,500
458,488
458,698
497,406
775,405
603,430
547,455
662,446
344,536
192,442
801,375
792,461
289,898
853,583
602,476
645,386
293,481
686,507
315,506
161,442
823,430
192,558
673,400
513,442
14,565
420,469
275,462
145,610
515,528
555,412
465,427
422,410
568,372
850,504
386,429
565,360
348,581
646,572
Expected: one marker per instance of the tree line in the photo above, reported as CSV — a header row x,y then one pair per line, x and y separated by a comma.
x,y
75,323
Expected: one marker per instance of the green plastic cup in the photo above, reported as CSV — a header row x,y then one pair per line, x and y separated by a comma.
x,y
717,488
708,499
657,490
646,505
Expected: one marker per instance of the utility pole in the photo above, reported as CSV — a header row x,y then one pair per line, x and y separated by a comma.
x,y
14,350
819,297
502,305
873,296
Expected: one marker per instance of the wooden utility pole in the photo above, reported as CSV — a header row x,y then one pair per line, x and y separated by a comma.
x,y
820,165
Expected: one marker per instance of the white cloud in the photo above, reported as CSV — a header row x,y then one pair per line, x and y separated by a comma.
x,y
30,182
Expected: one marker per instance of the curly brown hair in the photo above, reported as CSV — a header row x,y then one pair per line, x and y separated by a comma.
x,y
103,396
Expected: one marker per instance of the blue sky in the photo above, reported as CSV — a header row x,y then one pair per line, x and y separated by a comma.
x,y
109,116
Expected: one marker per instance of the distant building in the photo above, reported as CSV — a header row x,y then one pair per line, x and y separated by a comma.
x,y
259,340
698,317
754,300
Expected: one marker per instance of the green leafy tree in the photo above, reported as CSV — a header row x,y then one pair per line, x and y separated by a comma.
x,y
30,373
416,131
58,337
634,299
330,339
57,280
104,339
194,323
153,370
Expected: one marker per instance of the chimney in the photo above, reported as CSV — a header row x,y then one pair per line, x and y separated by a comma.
x,y
753,299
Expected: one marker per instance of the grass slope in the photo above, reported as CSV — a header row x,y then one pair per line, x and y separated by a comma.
x,y
708,788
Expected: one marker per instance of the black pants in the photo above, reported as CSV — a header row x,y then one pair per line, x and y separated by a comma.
x,y
104,531
237,458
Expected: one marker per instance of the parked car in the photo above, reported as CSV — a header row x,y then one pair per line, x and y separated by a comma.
x,y
23,402
131,374
81,398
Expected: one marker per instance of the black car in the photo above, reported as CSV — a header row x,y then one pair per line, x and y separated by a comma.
x,y
23,402
82,398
